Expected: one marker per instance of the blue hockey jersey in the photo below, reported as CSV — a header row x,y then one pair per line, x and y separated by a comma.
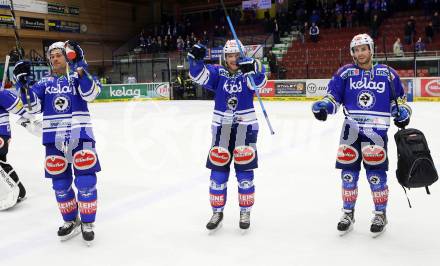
x,y
233,92
64,106
365,94
9,103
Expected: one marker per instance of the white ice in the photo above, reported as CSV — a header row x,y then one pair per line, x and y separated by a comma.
x,y
153,195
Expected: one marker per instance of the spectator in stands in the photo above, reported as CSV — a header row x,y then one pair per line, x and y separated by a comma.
x,y
374,26
398,48
180,44
408,31
276,31
349,18
314,32
302,31
273,63
314,18
338,12
420,46
383,8
429,32
436,21
205,38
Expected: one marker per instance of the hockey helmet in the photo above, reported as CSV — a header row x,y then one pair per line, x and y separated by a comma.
x,y
231,47
361,39
56,45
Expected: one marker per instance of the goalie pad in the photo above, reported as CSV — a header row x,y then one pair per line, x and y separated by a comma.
x,y
9,191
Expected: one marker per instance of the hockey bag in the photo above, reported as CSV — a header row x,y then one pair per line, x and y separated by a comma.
x,y
415,167
9,191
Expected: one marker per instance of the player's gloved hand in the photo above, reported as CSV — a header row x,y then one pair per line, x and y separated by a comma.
x,y
21,73
401,116
320,110
249,66
197,52
75,57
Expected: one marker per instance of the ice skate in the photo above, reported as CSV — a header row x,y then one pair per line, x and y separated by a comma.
x,y
215,222
245,221
69,229
378,223
345,225
87,233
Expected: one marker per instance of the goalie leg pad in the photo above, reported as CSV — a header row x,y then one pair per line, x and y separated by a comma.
x,y
9,191
65,197
218,190
87,197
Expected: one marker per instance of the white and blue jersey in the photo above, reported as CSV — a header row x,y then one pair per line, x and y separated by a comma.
x,y
367,99
233,93
234,122
9,103
365,94
64,106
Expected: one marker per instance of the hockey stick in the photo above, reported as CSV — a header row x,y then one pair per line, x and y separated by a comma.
x,y
20,54
5,71
250,77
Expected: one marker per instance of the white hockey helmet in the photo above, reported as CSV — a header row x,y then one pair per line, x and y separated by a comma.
x,y
231,47
361,39
56,45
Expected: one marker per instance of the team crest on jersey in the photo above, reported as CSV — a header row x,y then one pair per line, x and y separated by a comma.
x,y
366,100
232,86
232,103
61,104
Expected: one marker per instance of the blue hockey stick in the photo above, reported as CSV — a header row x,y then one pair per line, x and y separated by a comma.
x,y
250,77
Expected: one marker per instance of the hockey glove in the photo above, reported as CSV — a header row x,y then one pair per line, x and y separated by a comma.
x,y
21,73
320,110
250,66
401,115
75,56
197,52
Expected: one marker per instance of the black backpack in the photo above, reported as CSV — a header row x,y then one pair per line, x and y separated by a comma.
x,y
415,167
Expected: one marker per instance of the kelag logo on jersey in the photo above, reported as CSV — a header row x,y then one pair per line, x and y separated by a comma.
x,y
366,99
232,87
363,84
58,89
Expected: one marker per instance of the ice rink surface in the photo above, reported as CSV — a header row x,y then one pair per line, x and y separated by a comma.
x,y
154,204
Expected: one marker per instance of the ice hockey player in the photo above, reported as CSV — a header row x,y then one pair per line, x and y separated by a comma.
x,y
365,92
234,125
12,190
67,134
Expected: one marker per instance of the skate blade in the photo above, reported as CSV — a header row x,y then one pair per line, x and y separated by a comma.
x,y
375,235
343,233
244,231
74,233
88,243
212,231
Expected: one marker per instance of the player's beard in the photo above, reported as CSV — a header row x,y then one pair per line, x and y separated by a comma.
x,y
367,64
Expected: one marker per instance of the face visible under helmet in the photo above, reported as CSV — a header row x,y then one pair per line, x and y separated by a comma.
x,y
361,39
231,47
53,46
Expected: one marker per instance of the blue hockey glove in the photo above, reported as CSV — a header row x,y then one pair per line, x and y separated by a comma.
x,y
21,74
78,60
320,109
197,52
250,66
401,116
